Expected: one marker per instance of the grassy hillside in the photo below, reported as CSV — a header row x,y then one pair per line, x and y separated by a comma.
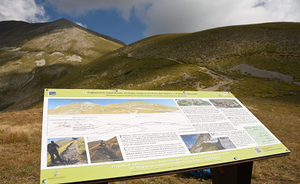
x,y
260,60
260,45
33,56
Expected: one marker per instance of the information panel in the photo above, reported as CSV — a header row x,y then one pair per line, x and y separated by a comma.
x,y
104,134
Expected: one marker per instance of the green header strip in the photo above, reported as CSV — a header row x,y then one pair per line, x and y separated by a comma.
x,y
134,93
107,171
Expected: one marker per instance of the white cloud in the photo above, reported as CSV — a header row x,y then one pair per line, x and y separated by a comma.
x,y
78,23
25,10
196,15
172,16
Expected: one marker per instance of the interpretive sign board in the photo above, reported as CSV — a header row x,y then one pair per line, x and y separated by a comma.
x,y
102,134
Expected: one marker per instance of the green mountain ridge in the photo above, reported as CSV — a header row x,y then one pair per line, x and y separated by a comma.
x,y
33,56
227,59
14,33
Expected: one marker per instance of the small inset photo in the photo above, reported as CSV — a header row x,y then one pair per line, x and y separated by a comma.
x,y
66,151
197,143
225,103
104,149
192,102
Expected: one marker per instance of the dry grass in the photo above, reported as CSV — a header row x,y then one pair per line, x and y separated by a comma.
x,y
281,116
20,138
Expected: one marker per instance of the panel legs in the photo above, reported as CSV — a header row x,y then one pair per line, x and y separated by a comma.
x,y
233,174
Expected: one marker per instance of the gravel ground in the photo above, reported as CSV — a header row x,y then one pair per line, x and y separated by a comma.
x,y
70,156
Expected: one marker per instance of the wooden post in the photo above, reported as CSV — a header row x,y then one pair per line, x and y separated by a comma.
x,y
233,174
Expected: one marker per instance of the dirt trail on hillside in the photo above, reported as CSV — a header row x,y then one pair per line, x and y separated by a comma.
x,y
220,80
70,156
176,61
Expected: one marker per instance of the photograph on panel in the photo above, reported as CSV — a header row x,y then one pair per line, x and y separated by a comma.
x,y
225,103
203,142
104,149
66,151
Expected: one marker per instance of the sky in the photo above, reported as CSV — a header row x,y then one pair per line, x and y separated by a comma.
x,y
133,20
57,139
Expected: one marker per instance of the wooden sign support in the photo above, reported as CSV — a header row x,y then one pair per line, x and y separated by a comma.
x,y
234,174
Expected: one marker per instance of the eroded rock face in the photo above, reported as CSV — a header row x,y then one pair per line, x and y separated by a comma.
x,y
74,58
41,62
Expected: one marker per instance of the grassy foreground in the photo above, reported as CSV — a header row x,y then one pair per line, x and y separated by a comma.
x,y
20,138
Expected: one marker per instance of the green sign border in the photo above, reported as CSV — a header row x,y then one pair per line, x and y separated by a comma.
x,y
134,93
125,169
107,171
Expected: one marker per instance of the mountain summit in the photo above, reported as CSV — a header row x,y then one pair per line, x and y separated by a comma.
x,y
13,33
34,55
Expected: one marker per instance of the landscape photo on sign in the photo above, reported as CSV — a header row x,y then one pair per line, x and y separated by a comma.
x,y
225,103
86,116
192,102
203,142
110,106
66,151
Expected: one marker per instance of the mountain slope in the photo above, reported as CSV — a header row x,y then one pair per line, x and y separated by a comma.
x,y
228,58
194,61
14,33
33,56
